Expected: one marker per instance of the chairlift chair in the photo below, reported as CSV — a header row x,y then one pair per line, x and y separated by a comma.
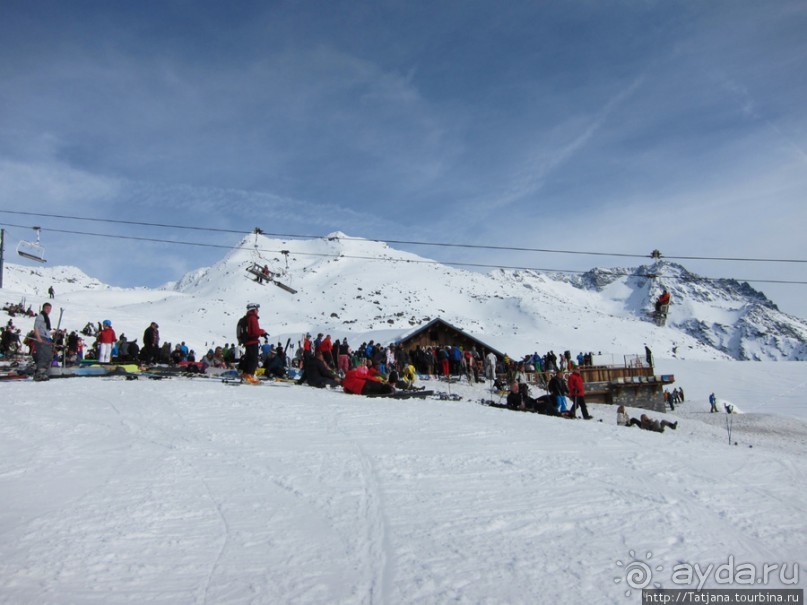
x,y
260,272
32,250
660,316
259,268
262,277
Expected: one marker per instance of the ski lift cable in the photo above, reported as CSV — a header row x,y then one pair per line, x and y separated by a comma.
x,y
424,261
257,231
258,259
121,222
133,237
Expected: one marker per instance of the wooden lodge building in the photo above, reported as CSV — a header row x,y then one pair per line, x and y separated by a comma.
x,y
633,384
440,333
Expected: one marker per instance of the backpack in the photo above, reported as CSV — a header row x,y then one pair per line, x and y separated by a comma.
x,y
241,330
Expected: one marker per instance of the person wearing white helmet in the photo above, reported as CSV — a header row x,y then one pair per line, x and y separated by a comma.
x,y
254,333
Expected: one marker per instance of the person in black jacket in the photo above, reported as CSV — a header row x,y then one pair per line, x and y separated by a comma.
x,y
558,390
318,374
518,397
151,344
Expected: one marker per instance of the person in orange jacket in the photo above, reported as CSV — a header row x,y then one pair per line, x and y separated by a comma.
x,y
662,300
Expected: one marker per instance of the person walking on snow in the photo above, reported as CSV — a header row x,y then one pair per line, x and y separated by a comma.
x,y
578,394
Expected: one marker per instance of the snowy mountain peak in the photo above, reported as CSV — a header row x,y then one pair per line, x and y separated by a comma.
x,y
724,314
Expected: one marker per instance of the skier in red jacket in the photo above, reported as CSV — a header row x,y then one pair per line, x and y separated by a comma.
x,y
360,381
251,344
578,394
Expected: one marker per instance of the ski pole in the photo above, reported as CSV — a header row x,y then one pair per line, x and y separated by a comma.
x,y
58,326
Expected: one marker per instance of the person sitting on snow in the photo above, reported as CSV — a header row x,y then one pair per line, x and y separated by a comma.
x,y
623,419
274,364
649,424
360,382
409,376
318,374
517,398
395,379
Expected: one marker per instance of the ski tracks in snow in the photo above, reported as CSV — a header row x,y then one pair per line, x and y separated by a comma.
x,y
374,545
149,432
224,542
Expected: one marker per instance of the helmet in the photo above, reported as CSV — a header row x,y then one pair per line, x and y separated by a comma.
x,y
107,322
251,306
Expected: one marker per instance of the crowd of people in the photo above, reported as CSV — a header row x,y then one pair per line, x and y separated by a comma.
x,y
369,368
14,309
671,398
48,345
99,341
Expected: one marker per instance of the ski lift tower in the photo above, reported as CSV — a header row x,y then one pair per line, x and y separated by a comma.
x,y
2,254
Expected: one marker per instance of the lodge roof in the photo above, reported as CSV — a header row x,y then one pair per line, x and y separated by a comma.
x,y
440,323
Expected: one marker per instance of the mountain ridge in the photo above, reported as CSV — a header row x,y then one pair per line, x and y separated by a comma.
x,y
362,289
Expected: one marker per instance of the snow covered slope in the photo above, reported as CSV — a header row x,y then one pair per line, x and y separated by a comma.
x,y
189,491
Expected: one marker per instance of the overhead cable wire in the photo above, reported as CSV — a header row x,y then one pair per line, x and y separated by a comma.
x,y
118,221
402,260
412,242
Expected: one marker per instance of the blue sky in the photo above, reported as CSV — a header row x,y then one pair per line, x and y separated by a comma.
x,y
594,126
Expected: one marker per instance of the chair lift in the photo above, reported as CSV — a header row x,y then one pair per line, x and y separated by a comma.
x,y
32,250
660,316
660,310
261,271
